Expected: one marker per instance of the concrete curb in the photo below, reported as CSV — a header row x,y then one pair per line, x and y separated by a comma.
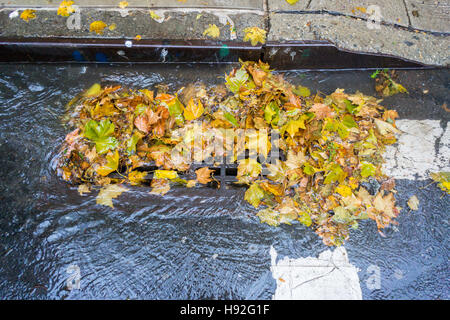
x,y
346,25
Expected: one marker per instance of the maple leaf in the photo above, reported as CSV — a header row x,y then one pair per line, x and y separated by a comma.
x,y
235,82
254,195
108,193
112,163
293,126
145,121
204,175
248,170
193,111
123,4
443,180
295,160
100,133
322,111
386,210
136,177
160,186
97,27
28,14
344,190
255,35
212,31
104,110
65,8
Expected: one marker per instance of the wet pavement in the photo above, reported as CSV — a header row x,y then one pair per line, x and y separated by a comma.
x,y
199,243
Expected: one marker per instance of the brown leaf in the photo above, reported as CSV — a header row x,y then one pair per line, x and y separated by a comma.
x,y
204,175
322,111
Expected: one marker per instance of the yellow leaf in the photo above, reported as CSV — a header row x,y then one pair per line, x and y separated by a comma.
x,y
136,177
413,203
254,195
94,90
291,2
255,35
293,126
65,8
107,109
191,183
344,190
83,188
212,31
138,37
112,27
97,27
248,170
165,174
192,110
111,165
156,17
108,193
28,14
123,4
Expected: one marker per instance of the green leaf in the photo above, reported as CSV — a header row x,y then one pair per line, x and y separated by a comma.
x,y
231,119
131,143
140,109
349,122
94,130
309,169
100,132
254,195
342,215
351,108
176,111
271,113
104,145
304,218
239,79
367,169
302,91
342,131
335,174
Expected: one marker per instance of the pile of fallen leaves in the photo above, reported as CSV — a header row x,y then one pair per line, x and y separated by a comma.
x,y
328,176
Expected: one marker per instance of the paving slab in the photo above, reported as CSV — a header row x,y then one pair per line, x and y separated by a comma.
x,y
224,4
354,35
389,11
174,25
283,5
429,15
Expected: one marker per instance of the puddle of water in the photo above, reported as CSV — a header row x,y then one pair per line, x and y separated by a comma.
x,y
189,244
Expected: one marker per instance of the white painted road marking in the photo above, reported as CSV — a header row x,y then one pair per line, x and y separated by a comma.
x,y
330,276
422,147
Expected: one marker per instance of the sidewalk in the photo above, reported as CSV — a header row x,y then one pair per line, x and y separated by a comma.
x,y
412,29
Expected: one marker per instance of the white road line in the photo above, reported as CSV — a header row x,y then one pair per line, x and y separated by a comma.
x,y
330,276
417,152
